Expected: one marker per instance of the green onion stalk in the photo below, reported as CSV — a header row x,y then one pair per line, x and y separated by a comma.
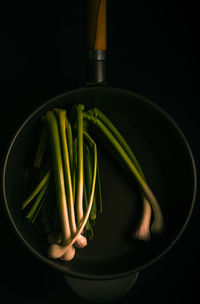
x,y
37,190
79,186
90,151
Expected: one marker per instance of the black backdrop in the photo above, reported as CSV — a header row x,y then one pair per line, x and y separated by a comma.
x,y
152,50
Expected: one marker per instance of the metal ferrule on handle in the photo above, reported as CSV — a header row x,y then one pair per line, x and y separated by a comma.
x,y
96,67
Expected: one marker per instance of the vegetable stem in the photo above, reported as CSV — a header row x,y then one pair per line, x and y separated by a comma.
x,y
79,186
59,175
34,211
106,121
69,142
37,190
98,192
61,114
88,172
87,213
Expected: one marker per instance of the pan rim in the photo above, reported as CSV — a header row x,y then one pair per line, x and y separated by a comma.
x,y
61,268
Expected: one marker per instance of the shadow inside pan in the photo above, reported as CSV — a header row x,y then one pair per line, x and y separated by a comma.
x,y
168,166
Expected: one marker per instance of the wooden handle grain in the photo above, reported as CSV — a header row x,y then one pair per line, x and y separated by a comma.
x,y
96,24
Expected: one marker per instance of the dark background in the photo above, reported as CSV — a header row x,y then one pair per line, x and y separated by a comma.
x,y
152,50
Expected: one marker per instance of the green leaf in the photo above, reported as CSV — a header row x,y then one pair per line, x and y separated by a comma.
x,y
36,190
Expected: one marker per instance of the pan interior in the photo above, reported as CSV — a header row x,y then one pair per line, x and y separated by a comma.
x,y
168,166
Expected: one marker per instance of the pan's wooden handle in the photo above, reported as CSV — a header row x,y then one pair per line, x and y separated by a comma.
x,y
96,33
96,17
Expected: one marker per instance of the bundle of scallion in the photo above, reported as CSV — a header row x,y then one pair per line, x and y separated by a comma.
x,y
71,177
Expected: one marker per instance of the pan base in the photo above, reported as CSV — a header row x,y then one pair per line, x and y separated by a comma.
x,y
102,291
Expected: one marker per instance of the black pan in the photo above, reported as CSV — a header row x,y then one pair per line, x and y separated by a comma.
x,y
165,156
